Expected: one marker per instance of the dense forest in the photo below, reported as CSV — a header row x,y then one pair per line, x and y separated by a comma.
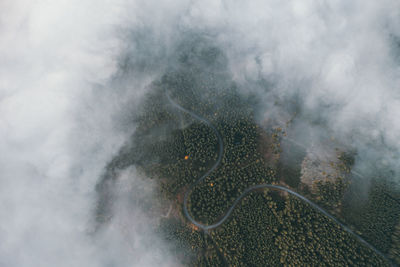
x,y
267,227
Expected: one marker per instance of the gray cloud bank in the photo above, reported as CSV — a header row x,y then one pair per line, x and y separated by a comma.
x,y
73,72
59,127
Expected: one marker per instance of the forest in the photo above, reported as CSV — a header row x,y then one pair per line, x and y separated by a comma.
x,y
267,227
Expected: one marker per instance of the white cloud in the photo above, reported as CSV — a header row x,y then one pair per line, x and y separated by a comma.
x,y
57,132
61,121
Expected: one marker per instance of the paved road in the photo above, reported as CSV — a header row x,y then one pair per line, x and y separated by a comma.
x,y
205,227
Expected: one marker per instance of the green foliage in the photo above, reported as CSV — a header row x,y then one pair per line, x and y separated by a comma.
x,y
247,239
375,215
307,237
347,159
265,229
394,251
274,230
269,229
329,194
242,166
187,244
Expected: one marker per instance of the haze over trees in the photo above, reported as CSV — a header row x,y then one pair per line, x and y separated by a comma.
x,y
267,227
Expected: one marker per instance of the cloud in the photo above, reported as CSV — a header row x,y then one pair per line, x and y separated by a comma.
x,y
337,60
73,72
60,124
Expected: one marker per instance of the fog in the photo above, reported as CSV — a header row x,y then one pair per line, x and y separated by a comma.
x,y
60,124
73,73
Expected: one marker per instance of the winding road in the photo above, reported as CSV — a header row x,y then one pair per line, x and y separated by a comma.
x,y
205,228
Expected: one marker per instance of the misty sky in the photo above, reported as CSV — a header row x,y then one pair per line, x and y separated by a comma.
x,y
72,74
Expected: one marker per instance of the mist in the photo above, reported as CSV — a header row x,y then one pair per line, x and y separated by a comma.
x,y
61,122
73,75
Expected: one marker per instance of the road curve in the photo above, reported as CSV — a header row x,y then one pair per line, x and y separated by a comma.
x,y
252,188
214,166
